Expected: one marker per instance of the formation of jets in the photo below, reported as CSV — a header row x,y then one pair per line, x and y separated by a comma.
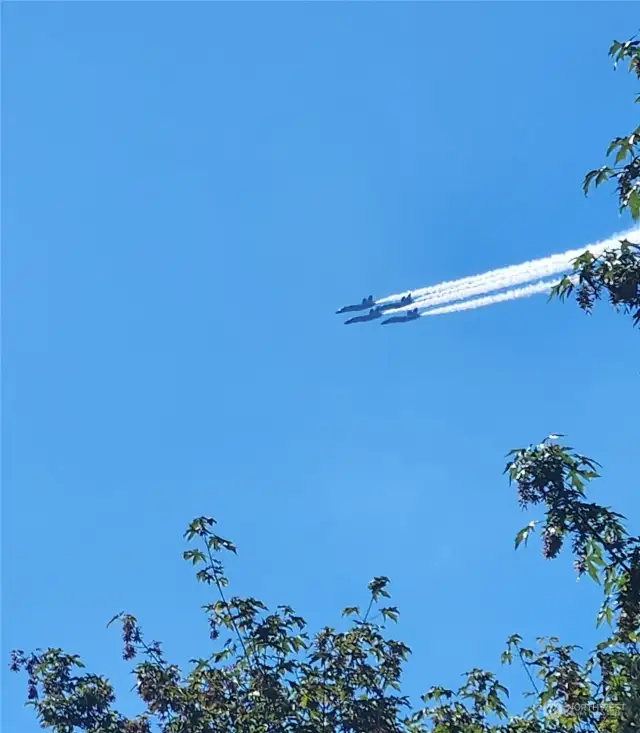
x,y
378,311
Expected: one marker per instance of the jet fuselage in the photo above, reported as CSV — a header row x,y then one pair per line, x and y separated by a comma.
x,y
410,316
370,316
366,303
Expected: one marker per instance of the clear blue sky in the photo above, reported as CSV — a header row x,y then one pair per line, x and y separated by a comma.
x,y
190,190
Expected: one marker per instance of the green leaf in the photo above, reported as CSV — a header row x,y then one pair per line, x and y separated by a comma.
x,y
587,181
576,481
633,204
195,556
390,612
606,614
595,553
377,587
523,534
615,48
613,145
593,571
622,153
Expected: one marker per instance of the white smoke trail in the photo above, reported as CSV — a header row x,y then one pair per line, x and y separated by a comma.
x,y
540,287
507,276
545,269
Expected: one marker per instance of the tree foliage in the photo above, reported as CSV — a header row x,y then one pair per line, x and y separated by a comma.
x,y
616,273
268,672
625,167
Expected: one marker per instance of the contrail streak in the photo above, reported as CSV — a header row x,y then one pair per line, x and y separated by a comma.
x,y
538,270
540,287
506,276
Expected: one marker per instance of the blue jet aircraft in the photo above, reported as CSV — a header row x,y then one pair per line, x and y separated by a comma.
x,y
370,316
405,300
366,303
404,318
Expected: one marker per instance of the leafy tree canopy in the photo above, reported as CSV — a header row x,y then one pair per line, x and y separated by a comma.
x,y
615,274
